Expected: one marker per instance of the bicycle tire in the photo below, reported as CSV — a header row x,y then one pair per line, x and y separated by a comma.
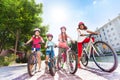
x,y
60,62
72,55
31,62
52,67
84,59
107,53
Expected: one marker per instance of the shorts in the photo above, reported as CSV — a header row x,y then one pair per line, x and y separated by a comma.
x,y
37,49
50,53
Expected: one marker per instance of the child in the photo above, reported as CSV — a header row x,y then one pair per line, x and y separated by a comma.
x,y
82,30
63,37
36,39
48,46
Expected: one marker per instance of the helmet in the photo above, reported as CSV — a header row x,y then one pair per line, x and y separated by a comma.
x,y
49,35
63,27
80,23
36,29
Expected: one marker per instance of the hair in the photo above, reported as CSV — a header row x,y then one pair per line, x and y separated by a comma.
x,y
85,27
63,36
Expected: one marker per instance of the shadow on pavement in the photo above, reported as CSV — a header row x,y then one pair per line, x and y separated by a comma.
x,y
23,77
60,75
10,70
106,75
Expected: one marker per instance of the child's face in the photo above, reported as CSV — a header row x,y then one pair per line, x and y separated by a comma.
x,y
63,30
49,38
81,26
37,33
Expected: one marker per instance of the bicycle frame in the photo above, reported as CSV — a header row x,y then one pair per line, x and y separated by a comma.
x,y
89,47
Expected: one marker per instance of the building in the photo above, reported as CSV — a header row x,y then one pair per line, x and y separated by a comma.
x,y
110,33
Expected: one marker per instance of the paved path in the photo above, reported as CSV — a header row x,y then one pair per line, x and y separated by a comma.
x,y
19,72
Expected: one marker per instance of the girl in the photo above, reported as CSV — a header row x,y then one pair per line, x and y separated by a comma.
x,y
82,30
36,39
63,37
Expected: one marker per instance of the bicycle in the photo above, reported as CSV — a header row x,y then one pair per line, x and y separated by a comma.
x,y
32,62
51,62
69,57
100,52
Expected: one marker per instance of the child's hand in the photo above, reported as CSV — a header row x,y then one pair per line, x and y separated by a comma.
x,y
97,33
45,46
55,46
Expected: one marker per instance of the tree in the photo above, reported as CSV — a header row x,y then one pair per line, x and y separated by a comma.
x,y
17,20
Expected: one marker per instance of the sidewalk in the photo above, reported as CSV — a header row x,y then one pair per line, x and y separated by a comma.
x,y
19,72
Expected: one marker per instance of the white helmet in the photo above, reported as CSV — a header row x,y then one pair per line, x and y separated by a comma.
x,y
36,29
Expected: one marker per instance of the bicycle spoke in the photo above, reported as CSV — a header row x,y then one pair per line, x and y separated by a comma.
x,y
72,62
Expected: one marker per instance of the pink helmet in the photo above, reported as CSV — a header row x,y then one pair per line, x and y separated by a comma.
x,y
80,23
63,27
49,35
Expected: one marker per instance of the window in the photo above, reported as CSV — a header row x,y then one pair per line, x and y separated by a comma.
x,y
110,23
117,44
112,44
104,33
102,29
100,35
109,35
105,38
111,29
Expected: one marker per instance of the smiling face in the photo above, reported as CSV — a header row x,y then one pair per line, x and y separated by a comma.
x,y
49,38
81,27
37,33
63,30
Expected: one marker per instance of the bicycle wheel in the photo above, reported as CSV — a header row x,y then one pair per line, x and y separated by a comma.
x,y
52,67
72,62
84,59
60,62
104,56
31,65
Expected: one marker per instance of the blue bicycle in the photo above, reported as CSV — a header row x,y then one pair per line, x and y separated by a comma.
x,y
51,62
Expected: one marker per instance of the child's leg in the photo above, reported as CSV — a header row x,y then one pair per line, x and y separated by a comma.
x,y
46,59
59,54
79,53
39,59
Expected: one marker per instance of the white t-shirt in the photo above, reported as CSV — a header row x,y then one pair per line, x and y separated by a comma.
x,y
81,38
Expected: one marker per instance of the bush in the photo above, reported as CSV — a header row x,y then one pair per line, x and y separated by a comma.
x,y
6,60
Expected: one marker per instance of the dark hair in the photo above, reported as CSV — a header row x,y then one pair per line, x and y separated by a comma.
x,y
85,27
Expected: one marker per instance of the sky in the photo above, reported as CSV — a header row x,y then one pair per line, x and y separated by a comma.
x,y
68,13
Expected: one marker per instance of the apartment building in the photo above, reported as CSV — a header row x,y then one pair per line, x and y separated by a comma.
x,y
110,33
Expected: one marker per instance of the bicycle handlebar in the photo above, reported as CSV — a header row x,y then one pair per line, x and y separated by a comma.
x,y
51,46
88,35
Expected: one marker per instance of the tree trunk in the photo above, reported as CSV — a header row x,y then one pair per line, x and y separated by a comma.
x,y
16,42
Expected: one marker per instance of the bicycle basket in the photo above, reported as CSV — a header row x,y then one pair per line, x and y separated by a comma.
x,y
74,46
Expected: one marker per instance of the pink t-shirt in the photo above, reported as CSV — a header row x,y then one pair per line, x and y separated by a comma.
x,y
36,42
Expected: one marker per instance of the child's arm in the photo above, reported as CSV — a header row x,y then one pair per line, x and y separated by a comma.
x,y
42,40
46,45
28,41
91,32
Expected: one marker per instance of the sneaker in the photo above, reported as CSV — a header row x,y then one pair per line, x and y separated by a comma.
x,y
39,70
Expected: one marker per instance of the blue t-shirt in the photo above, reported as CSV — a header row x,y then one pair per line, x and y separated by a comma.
x,y
50,43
